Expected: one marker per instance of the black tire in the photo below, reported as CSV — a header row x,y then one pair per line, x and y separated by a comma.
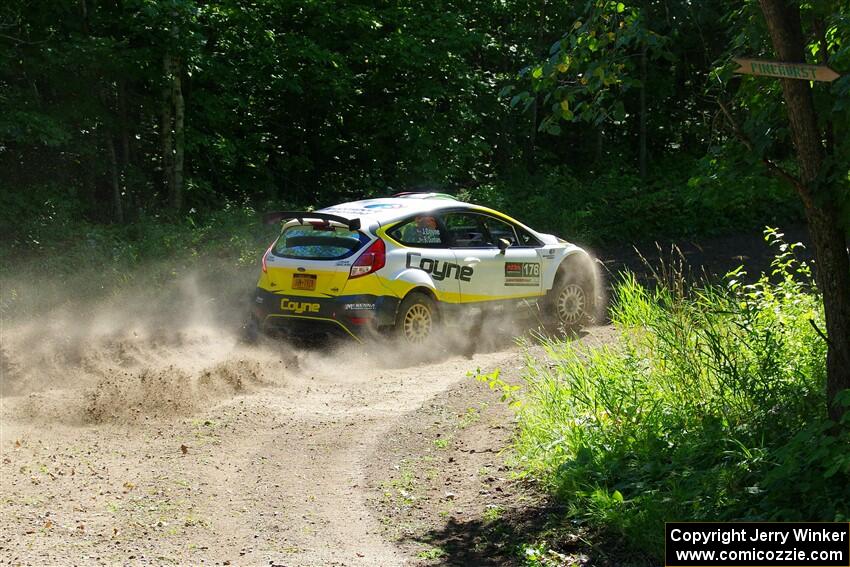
x,y
416,319
250,332
572,301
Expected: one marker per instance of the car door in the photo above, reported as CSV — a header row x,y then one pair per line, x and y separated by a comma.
x,y
424,258
494,274
523,268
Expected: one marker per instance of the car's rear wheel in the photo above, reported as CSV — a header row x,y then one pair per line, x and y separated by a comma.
x,y
250,332
417,318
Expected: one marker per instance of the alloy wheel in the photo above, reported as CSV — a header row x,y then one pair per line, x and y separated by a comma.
x,y
572,304
417,323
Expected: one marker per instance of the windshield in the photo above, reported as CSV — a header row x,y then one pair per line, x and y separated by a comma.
x,y
323,242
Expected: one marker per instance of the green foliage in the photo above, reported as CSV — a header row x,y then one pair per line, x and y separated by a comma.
x,y
431,554
686,198
758,106
589,68
495,383
232,231
710,407
541,555
314,102
284,100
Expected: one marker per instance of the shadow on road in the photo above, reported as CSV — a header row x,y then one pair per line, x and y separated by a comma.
x,y
496,542
507,541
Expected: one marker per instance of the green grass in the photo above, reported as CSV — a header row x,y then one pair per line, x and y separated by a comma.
x,y
431,553
402,490
492,513
710,407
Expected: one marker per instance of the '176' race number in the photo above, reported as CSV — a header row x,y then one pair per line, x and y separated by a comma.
x,y
522,273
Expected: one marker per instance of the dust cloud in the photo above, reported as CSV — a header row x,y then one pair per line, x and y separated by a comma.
x,y
155,350
146,351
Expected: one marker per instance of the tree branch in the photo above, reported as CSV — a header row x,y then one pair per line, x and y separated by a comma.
x,y
21,41
819,332
772,168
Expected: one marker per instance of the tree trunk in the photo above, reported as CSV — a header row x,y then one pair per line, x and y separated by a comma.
x,y
124,125
823,57
833,276
532,138
642,136
124,122
117,209
600,146
84,10
167,129
179,139
819,198
90,185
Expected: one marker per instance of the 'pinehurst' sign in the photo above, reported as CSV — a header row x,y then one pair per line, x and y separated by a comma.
x,y
785,70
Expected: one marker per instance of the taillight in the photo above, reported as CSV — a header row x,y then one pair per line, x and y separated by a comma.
x,y
372,260
268,251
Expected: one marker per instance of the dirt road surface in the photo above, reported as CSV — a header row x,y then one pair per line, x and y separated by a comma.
x,y
122,443
190,449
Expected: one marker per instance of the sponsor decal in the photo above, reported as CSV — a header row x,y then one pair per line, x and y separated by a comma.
x,y
351,210
363,209
298,307
439,269
359,306
258,299
522,273
382,206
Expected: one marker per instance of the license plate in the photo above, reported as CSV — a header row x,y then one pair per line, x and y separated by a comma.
x,y
304,281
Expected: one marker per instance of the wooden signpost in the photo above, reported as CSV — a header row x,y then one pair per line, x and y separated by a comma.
x,y
785,70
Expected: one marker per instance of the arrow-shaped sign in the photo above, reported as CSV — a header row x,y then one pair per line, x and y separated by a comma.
x,y
785,70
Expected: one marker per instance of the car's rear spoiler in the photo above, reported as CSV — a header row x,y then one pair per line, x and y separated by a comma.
x,y
278,216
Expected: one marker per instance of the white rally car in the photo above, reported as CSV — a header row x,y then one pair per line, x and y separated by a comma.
x,y
410,262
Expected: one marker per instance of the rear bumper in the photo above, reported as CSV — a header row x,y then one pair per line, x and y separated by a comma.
x,y
351,315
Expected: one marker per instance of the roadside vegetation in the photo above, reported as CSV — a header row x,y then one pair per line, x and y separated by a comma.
x,y
709,407
74,260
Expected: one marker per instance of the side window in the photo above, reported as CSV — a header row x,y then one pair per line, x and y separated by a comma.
x,y
422,230
499,229
465,230
526,239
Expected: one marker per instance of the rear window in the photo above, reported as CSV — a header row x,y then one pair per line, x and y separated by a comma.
x,y
310,242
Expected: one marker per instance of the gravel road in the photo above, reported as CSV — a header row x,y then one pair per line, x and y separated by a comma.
x,y
121,443
192,449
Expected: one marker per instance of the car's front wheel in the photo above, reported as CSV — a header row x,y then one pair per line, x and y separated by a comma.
x,y
417,318
571,301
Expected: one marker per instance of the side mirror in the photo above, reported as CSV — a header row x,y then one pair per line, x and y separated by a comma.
x,y
504,244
